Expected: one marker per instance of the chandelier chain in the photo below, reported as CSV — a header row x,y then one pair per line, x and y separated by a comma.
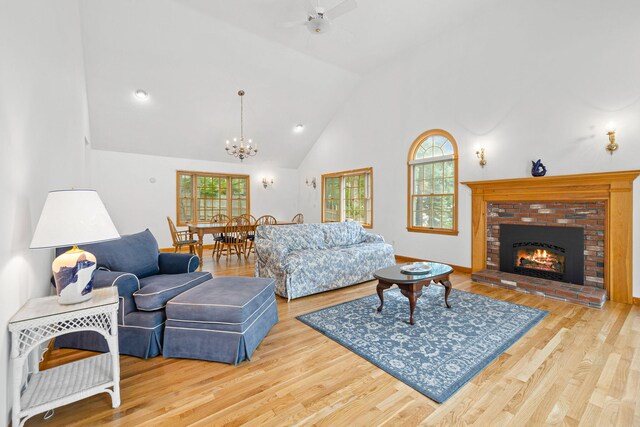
x,y
241,115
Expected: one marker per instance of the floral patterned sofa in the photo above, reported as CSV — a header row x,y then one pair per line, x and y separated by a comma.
x,y
306,259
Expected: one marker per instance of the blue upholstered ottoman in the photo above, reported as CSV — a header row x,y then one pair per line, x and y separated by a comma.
x,y
223,319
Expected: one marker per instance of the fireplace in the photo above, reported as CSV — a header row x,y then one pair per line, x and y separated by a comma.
x,y
547,252
599,203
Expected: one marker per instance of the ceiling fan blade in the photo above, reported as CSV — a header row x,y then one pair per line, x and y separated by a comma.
x,y
310,7
345,7
291,24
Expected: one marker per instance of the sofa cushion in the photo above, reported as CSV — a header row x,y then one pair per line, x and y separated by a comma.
x,y
133,253
222,300
343,234
156,290
298,237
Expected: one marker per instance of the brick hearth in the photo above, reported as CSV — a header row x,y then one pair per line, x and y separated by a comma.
x,y
584,295
587,215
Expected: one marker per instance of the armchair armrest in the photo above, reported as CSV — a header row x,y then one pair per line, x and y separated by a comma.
x,y
373,238
171,263
126,283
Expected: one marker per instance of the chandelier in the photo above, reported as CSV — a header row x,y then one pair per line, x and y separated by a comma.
x,y
240,148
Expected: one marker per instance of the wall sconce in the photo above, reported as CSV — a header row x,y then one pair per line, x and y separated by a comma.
x,y
611,132
480,155
267,182
311,182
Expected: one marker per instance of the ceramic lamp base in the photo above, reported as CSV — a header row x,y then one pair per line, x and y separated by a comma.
x,y
73,274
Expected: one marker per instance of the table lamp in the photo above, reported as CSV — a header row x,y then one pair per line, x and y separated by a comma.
x,y
72,218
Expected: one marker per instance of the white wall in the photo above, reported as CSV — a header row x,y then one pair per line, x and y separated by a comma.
x,y
135,203
529,80
42,127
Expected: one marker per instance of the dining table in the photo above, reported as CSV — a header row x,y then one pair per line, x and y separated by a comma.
x,y
202,228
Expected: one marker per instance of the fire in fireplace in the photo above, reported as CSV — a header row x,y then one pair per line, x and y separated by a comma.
x,y
540,259
554,253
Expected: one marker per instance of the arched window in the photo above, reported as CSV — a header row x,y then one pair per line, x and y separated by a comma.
x,y
433,184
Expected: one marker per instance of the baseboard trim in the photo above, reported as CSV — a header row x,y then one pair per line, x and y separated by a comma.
x,y
402,258
184,249
636,300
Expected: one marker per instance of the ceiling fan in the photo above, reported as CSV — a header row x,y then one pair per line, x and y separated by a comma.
x,y
318,19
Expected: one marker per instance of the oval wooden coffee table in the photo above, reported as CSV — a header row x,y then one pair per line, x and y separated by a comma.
x,y
411,284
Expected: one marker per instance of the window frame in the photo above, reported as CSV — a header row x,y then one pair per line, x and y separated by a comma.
x,y
342,174
410,184
194,198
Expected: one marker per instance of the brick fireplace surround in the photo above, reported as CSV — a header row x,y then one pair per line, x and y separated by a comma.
x,y
587,215
601,203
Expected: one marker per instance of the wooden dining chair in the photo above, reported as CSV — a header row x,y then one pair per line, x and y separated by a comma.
x,y
266,220
250,218
181,238
252,229
245,229
234,238
219,219
263,220
217,237
298,219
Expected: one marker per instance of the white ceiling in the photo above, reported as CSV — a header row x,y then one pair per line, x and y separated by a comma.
x,y
192,56
375,32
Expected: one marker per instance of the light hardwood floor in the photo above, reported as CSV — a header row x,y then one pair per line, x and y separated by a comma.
x,y
579,366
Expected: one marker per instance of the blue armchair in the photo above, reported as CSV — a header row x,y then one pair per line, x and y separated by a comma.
x,y
146,280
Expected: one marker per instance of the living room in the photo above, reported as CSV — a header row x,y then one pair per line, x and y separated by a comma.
x,y
509,82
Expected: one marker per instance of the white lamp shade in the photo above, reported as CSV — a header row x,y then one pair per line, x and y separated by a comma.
x,y
73,217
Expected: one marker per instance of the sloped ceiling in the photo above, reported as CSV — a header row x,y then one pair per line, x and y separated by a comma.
x,y
192,56
375,32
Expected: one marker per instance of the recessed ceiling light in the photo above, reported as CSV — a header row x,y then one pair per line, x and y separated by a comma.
x,y
298,128
141,94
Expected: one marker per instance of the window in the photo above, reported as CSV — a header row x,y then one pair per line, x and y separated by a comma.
x,y
433,184
201,195
348,195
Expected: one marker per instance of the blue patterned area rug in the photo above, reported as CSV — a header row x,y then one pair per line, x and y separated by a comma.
x,y
443,351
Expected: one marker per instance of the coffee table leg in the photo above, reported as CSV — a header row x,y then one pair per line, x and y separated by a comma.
x,y
380,290
447,291
413,298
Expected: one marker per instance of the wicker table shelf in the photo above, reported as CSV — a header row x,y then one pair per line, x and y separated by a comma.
x,y
42,319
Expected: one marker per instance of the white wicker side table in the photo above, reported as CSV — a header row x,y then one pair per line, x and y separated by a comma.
x,y
41,319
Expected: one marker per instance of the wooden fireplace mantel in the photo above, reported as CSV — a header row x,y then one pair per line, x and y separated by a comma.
x,y
613,188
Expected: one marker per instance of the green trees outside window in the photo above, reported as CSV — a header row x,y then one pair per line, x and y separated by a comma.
x,y
433,180
348,195
202,195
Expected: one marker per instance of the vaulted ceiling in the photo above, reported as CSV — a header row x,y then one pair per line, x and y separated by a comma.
x,y
192,56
